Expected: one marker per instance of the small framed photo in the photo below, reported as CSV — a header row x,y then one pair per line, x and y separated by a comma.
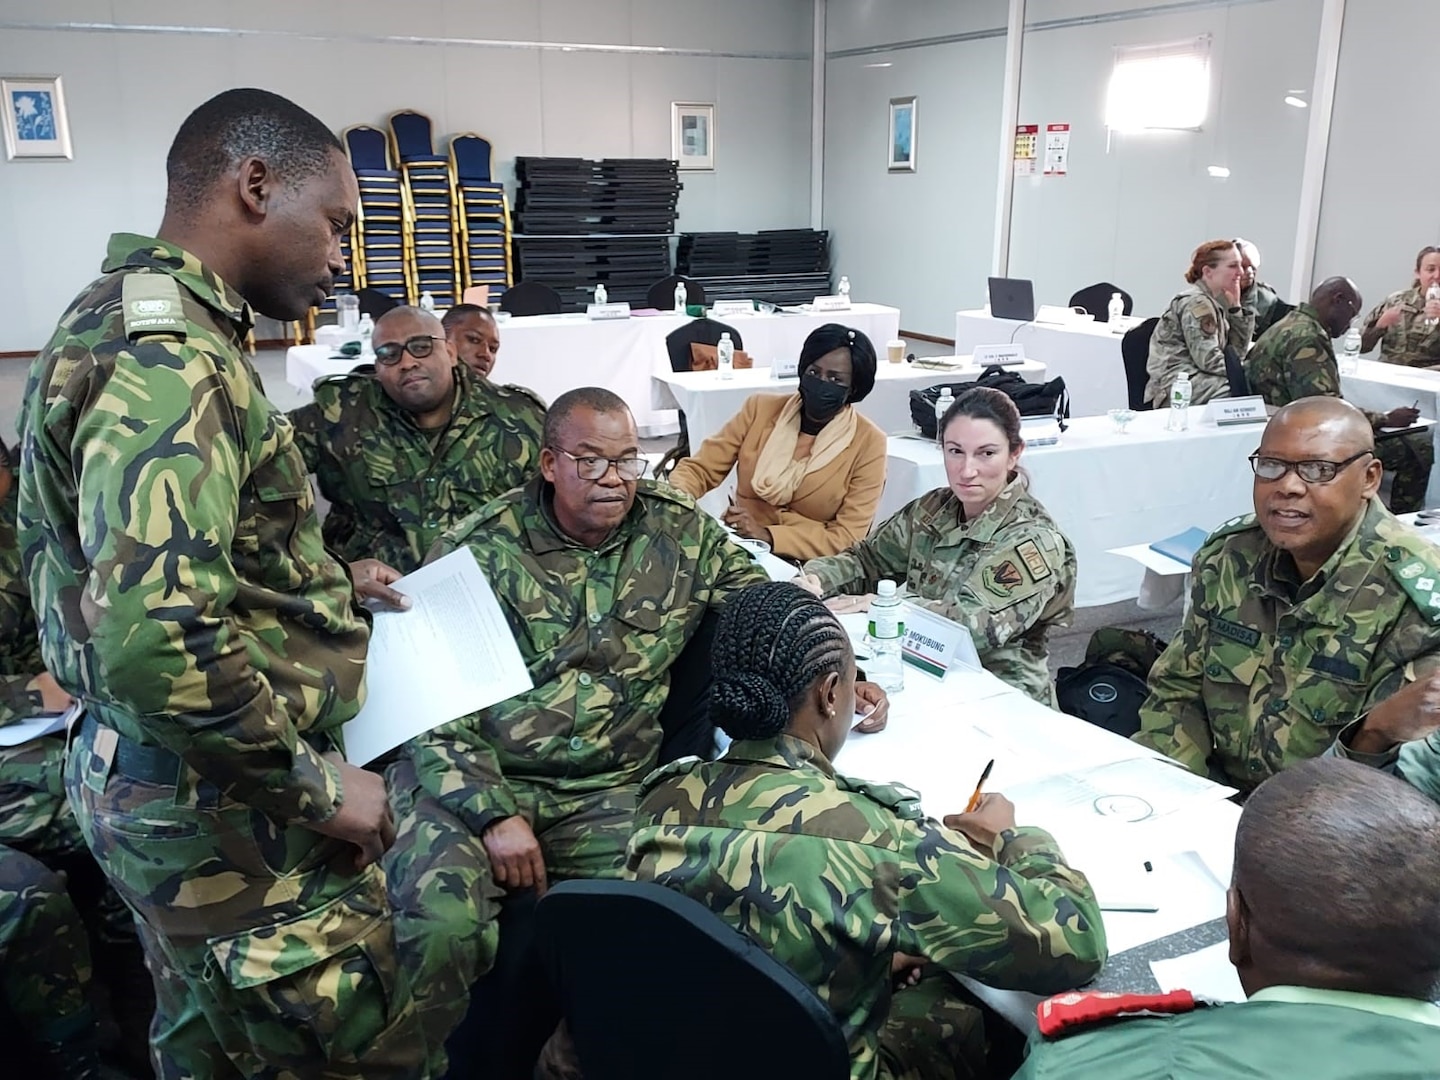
x,y
35,122
902,134
692,135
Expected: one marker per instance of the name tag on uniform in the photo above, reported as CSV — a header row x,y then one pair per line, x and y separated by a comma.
x,y
607,311
937,645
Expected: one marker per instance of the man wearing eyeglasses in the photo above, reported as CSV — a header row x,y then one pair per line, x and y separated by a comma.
x,y
604,577
406,453
1295,358
1317,612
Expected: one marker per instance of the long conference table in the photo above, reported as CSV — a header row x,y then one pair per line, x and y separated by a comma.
x,y
551,354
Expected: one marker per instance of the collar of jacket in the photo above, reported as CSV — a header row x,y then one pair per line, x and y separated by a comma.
x,y
782,751
471,402
984,527
543,534
129,251
1304,309
1276,575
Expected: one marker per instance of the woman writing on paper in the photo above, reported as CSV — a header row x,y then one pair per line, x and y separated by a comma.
x,y
1216,313
846,882
809,467
981,551
1406,325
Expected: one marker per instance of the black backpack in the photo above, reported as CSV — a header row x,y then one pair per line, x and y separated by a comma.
x,y
1108,689
1032,399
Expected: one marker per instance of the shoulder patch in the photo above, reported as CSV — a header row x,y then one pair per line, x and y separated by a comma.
x,y
657,489
153,305
1002,578
1234,525
1034,560
526,392
905,801
1066,1013
1419,580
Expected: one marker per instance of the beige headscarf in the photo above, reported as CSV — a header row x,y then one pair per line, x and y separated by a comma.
x,y
777,473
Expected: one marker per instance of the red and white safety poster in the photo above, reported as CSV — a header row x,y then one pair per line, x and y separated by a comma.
x,y
1057,149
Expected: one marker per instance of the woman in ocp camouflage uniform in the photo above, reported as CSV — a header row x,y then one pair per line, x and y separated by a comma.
x,y
1400,323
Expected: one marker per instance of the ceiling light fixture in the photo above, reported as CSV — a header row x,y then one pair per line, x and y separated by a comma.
x,y
1295,102
887,63
1220,172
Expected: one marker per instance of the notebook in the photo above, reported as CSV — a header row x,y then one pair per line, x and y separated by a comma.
x,y
1182,546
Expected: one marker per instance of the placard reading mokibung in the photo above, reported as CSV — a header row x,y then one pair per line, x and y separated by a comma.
x,y
935,644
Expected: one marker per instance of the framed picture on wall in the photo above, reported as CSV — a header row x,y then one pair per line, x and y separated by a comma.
x,y
692,134
34,117
902,134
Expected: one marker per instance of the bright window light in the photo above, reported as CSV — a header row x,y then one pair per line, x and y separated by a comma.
x,y
1158,87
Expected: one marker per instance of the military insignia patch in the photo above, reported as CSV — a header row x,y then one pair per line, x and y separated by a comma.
x,y
1034,560
1425,583
1002,578
1412,569
1207,325
1243,635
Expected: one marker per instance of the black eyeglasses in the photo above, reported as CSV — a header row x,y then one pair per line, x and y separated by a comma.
x,y
1312,472
590,467
420,346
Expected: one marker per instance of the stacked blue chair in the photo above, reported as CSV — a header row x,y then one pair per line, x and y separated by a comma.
x,y
483,212
377,247
430,188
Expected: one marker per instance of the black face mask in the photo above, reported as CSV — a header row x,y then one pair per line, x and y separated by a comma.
x,y
822,399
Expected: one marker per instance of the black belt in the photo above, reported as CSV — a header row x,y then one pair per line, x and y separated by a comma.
x,y
148,764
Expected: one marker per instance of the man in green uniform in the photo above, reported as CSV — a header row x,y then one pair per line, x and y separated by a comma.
x,y
405,454
1296,359
604,578
1310,613
183,591
1334,918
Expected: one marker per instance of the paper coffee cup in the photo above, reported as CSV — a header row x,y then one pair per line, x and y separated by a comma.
x,y
895,350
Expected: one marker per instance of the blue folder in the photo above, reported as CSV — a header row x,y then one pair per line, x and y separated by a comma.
x,y
1182,546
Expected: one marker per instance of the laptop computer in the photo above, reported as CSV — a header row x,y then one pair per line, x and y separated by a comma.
x,y
1012,298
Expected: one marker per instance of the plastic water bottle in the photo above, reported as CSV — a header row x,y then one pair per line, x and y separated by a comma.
x,y
681,298
602,295
1180,403
1432,293
887,633
725,357
427,302
843,290
942,406
367,333
1116,309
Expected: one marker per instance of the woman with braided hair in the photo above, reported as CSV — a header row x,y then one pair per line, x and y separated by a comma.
x,y
844,881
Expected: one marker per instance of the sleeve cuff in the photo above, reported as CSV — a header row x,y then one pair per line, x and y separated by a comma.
x,y
1385,760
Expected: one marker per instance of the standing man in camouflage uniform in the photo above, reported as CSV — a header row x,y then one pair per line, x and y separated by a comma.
x,y
838,878
184,592
1319,609
603,578
405,454
1296,359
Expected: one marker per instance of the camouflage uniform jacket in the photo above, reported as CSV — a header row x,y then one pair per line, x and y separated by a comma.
x,y
1267,669
1294,359
1409,341
1191,336
391,494
598,629
1268,308
1009,575
832,876
19,640
169,536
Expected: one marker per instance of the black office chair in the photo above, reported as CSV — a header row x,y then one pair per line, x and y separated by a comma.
x,y
1135,350
1095,299
662,294
530,298
607,946
375,303
700,331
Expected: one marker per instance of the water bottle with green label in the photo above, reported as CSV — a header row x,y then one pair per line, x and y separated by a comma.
x,y
886,665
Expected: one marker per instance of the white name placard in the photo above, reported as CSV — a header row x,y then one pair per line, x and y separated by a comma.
x,y
785,369
830,303
935,644
732,307
607,311
1240,410
1004,355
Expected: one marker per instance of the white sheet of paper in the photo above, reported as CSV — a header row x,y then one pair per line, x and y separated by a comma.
x,y
450,654
36,726
1124,791
1207,973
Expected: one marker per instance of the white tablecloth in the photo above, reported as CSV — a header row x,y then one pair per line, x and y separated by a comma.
x,y
710,401
1107,491
1381,387
554,353
1085,354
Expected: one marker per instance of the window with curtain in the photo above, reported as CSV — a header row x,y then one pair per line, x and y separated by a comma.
x,y
1160,87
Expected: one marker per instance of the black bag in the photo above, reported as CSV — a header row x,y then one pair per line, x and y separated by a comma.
x,y
1032,399
1108,689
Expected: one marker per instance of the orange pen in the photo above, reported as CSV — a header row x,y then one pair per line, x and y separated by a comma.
x,y
974,802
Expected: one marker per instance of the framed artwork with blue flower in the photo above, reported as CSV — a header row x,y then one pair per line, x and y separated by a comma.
x,y
34,117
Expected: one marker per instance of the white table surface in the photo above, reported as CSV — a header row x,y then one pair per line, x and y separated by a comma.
x,y
554,353
1381,387
1107,491
710,401
1086,354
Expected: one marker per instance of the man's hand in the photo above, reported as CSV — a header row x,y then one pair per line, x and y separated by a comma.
x,y
1389,317
1411,713
364,815
372,583
810,583
53,697
1401,417
868,695
515,856
984,825
905,970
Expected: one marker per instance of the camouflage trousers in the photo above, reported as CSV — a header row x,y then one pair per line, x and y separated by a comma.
x,y
931,1034
445,897
1409,457
273,957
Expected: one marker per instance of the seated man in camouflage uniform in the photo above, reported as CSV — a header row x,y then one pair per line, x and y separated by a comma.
x,y
1315,611
406,453
1296,358
604,578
